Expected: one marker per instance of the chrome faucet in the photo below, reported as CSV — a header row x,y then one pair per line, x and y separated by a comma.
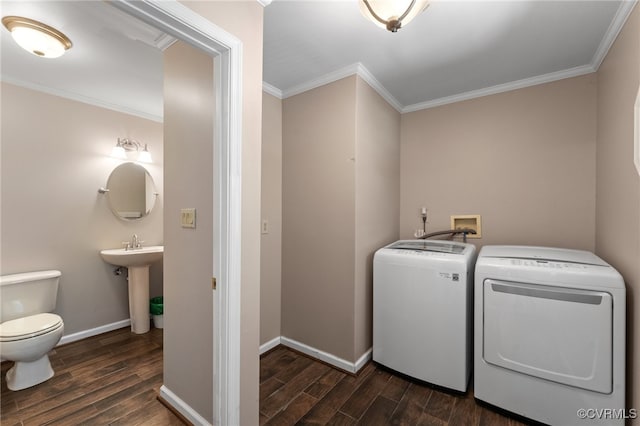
x,y
135,243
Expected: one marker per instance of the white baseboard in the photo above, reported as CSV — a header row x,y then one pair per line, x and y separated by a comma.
x,y
93,332
265,347
331,359
366,357
182,407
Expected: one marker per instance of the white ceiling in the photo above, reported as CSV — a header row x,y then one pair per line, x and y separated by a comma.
x,y
115,61
454,50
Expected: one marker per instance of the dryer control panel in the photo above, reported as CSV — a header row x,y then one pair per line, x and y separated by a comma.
x,y
549,264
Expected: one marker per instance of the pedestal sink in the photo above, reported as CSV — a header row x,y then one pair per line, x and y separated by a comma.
x,y
138,262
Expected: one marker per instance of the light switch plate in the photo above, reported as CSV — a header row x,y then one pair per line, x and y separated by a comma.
x,y
188,218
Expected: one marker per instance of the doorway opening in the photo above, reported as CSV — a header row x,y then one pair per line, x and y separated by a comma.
x,y
182,23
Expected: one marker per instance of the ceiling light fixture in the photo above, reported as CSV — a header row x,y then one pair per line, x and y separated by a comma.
x,y
37,38
125,145
392,14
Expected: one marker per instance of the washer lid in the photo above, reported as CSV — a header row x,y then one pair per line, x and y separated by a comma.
x,y
31,326
543,253
425,245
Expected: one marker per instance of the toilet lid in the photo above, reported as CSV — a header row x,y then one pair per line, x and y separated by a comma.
x,y
31,326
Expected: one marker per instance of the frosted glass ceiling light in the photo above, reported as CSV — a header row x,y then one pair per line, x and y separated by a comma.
x,y
37,38
392,14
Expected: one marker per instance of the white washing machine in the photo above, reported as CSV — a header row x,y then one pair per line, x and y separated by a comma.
x,y
422,310
550,335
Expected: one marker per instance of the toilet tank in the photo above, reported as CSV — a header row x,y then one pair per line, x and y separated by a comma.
x,y
28,294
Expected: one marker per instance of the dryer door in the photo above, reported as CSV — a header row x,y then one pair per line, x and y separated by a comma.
x,y
555,333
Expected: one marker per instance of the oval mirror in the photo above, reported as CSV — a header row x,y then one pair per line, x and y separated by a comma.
x,y
131,191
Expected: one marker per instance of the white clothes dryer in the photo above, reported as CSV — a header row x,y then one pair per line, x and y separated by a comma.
x,y
422,310
550,335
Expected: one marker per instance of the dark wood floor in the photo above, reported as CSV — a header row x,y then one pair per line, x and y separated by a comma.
x,y
114,379
295,390
110,379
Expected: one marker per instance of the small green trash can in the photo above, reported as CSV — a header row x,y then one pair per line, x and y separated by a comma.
x,y
156,308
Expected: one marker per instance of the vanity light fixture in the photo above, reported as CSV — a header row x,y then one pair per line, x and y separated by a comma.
x,y
125,145
392,14
37,38
144,155
118,151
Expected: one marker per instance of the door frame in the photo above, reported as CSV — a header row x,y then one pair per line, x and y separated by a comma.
x,y
183,23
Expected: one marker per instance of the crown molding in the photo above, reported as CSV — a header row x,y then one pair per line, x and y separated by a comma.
x,y
612,32
321,81
378,87
500,88
84,99
366,75
353,69
265,3
272,90
164,41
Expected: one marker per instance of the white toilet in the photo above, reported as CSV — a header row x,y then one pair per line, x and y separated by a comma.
x,y
27,331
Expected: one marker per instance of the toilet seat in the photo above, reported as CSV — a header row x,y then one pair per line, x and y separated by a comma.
x,y
29,327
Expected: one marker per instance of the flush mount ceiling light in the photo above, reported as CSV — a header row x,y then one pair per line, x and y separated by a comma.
x,y
37,38
125,145
392,14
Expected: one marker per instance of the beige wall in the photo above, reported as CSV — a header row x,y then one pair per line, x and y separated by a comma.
x,y
340,204
318,208
377,195
244,20
618,183
189,103
271,206
524,160
55,155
